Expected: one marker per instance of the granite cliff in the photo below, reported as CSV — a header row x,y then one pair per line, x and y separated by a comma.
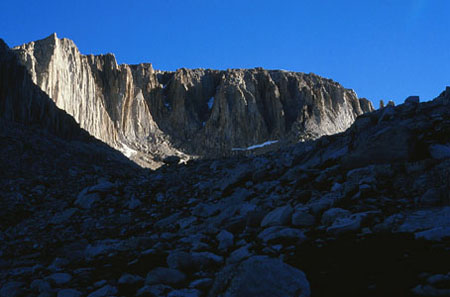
x,y
149,114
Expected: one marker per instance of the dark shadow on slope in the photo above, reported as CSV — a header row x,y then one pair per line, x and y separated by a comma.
x,y
379,265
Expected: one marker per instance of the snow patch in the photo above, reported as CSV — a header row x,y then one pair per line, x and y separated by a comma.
x,y
128,151
211,102
255,146
140,96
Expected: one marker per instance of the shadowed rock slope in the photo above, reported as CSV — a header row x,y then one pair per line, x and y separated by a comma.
x,y
150,114
361,213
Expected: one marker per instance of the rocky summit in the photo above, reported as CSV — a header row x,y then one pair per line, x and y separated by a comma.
x,y
365,212
150,114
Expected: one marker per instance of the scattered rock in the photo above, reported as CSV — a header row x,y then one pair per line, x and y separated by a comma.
x,y
69,293
261,276
329,216
105,291
185,293
301,218
225,239
60,278
278,217
440,151
166,276
277,234
12,289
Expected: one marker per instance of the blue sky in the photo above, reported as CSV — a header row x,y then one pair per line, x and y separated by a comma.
x,y
382,49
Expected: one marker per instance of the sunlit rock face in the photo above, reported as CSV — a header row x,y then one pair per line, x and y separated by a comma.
x,y
150,114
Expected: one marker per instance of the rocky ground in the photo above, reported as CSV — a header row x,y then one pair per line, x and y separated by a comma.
x,y
362,213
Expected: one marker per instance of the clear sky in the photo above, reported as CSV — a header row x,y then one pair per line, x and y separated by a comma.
x,y
383,49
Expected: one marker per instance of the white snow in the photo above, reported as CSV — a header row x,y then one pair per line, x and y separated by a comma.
x,y
255,146
211,102
140,96
128,151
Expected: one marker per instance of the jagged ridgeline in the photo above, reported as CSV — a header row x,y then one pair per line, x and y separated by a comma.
x,y
149,114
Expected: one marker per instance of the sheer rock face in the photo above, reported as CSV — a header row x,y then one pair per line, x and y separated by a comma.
x,y
23,102
149,114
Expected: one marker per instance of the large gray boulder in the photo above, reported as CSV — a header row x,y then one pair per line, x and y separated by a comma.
x,y
278,217
263,277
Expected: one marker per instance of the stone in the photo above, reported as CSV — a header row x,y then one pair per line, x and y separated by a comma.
x,y
203,283
225,239
320,205
434,234
90,195
439,151
278,217
261,276
69,293
205,259
302,218
329,216
422,220
185,293
192,261
240,254
134,203
166,276
337,187
427,290
87,200
12,289
129,279
432,197
276,234
150,291
40,285
102,248
105,291
180,260
345,224
60,278
63,217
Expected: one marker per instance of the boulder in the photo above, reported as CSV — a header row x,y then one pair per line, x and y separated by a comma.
x,y
263,277
185,293
346,224
12,289
329,216
280,234
278,217
166,276
104,291
439,151
302,218
60,278
69,293
225,239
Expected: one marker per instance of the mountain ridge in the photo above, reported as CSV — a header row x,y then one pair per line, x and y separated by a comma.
x,y
149,114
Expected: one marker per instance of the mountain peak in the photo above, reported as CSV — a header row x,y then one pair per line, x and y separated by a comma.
x,y
190,112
